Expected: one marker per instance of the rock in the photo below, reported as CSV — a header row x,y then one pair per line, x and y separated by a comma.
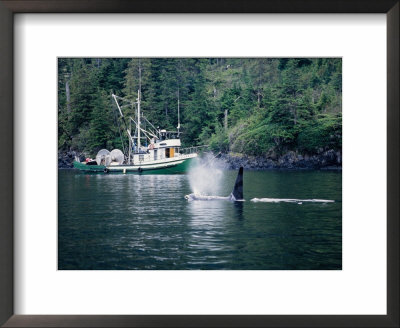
x,y
339,158
328,159
66,158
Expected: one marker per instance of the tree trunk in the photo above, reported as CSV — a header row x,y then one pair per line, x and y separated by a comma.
x,y
226,120
68,94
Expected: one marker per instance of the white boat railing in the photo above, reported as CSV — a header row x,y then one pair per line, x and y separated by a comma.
x,y
192,150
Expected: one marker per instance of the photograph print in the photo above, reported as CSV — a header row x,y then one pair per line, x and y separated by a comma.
x,y
199,163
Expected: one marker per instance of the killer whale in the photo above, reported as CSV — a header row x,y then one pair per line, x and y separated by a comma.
x,y
236,194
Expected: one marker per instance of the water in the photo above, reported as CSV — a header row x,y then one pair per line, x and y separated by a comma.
x,y
125,222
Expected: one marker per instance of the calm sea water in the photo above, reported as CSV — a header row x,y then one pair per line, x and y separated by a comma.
x,y
127,222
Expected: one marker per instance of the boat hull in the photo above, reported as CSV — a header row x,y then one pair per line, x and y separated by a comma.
x,y
178,166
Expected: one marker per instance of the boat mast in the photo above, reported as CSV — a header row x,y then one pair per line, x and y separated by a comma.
x,y
138,112
130,141
138,122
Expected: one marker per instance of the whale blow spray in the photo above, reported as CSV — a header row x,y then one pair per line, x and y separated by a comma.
x,y
206,175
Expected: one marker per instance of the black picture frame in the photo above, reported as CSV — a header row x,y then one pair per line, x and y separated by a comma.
x,y
7,10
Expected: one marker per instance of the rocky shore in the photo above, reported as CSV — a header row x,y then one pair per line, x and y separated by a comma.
x,y
65,159
325,160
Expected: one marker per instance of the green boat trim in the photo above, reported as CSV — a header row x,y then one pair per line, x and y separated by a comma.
x,y
90,168
173,167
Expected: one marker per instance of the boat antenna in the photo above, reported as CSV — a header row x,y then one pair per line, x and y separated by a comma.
x,y
140,76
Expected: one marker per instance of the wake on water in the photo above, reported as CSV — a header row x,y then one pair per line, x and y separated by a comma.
x,y
193,196
291,200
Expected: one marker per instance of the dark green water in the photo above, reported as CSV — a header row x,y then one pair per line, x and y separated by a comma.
x,y
114,222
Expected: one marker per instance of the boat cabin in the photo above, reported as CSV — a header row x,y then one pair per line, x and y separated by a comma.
x,y
160,150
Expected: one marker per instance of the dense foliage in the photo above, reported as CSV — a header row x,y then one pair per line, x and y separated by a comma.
x,y
256,106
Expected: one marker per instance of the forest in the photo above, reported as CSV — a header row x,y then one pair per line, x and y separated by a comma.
x,y
251,106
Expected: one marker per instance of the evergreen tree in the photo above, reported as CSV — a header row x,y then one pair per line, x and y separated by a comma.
x,y
249,105
100,131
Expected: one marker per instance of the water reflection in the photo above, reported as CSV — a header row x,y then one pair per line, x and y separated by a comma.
x,y
208,223
144,222
238,206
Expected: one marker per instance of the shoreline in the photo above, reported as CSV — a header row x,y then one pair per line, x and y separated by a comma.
x,y
325,160
328,160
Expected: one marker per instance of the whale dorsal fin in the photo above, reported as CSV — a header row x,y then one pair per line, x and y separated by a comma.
x,y
237,193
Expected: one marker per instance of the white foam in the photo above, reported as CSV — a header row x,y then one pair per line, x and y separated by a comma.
x,y
291,200
194,196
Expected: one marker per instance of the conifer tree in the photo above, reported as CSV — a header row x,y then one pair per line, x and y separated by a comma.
x,y
249,105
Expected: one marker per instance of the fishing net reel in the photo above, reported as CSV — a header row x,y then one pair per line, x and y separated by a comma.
x,y
103,157
117,157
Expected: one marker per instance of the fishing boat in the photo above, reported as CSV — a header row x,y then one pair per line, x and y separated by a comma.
x,y
150,150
